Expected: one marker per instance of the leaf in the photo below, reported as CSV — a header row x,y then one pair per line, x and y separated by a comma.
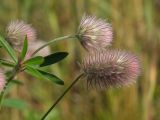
x,y
24,50
6,63
17,82
15,103
8,48
43,75
53,58
34,72
52,77
34,61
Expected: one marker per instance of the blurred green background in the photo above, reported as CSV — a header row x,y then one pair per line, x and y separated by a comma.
x,y
136,25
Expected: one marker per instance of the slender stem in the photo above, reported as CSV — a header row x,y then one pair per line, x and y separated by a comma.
x,y
52,41
58,100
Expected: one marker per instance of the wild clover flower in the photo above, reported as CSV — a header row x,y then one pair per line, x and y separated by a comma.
x,y
2,81
110,68
16,32
94,33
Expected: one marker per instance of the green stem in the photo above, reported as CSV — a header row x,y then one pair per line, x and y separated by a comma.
x,y
52,41
58,100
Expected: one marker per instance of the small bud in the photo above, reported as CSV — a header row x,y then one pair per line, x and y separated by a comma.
x,y
2,81
94,33
16,32
110,68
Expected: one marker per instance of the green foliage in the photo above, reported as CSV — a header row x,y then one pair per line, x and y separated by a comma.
x,y
24,50
53,58
34,72
34,61
18,82
8,49
51,77
43,75
46,61
6,63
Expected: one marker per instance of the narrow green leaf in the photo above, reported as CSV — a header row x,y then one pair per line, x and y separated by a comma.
x,y
24,50
34,72
8,48
53,58
6,63
17,82
51,77
43,75
34,61
15,103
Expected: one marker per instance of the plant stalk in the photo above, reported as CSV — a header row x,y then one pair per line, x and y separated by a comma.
x,y
52,41
58,100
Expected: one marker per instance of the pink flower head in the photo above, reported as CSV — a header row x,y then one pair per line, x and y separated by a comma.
x,y
16,32
110,68
2,81
94,33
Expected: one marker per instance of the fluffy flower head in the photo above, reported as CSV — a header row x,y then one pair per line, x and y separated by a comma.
x,y
16,32
110,68
94,33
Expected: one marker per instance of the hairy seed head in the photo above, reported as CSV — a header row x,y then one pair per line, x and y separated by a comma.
x,y
94,33
16,32
110,68
2,81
